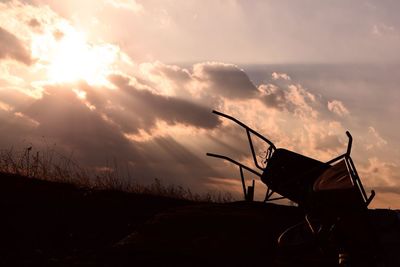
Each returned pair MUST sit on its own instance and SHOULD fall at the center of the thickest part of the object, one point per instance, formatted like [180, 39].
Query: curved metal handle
[244, 126]
[249, 192]
[349, 145]
[234, 162]
[250, 131]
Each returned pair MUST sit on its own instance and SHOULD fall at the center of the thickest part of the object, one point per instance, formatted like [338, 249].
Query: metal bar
[348, 151]
[269, 194]
[253, 153]
[275, 198]
[234, 162]
[308, 220]
[336, 159]
[243, 182]
[349, 144]
[370, 197]
[356, 179]
[244, 126]
[269, 154]
[250, 192]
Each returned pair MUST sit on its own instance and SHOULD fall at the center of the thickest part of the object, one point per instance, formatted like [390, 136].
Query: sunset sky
[135, 82]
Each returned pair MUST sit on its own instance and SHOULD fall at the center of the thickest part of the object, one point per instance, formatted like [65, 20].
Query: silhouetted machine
[330, 193]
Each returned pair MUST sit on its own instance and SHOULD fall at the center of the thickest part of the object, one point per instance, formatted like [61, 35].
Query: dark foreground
[53, 224]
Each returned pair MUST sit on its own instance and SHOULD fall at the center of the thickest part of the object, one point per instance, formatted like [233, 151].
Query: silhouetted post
[250, 192]
[243, 183]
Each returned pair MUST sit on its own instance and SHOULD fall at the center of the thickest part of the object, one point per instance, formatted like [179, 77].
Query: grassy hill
[47, 223]
[51, 223]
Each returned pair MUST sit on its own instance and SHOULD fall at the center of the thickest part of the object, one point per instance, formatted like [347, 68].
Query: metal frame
[353, 172]
[271, 149]
[250, 131]
[241, 166]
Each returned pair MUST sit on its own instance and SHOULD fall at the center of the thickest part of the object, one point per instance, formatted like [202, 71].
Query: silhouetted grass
[52, 166]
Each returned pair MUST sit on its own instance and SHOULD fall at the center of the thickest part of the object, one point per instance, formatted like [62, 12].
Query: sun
[75, 59]
[69, 57]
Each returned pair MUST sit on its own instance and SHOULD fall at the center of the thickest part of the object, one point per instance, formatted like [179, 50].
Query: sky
[135, 82]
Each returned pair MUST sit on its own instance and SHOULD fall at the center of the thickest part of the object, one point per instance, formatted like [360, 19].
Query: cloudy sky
[135, 82]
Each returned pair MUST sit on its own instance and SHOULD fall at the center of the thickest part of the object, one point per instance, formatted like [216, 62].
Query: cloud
[165, 79]
[166, 136]
[12, 48]
[15, 99]
[382, 29]
[301, 101]
[72, 125]
[131, 5]
[95, 136]
[278, 75]
[205, 83]
[293, 98]
[375, 140]
[227, 80]
[338, 108]
[155, 118]
[378, 172]
[132, 119]
[147, 107]
[273, 96]
[324, 138]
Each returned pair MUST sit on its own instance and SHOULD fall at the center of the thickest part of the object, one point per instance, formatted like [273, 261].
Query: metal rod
[349, 144]
[244, 126]
[348, 151]
[275, 198]
[357, 179]
[370, 197]
[243, 182]
[253, 153]
[336, 159]
[234, 162]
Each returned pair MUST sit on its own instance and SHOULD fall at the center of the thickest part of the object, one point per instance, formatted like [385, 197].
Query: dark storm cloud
[142, 108]
[63, 119]
[68, 122]
[173, 110]
[273, 96]
[12, 48]
[226, 80]
[94, 129]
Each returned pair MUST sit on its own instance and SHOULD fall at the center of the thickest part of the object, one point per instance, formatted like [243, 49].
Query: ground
[55, 224]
